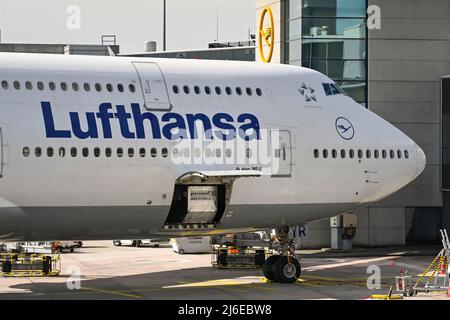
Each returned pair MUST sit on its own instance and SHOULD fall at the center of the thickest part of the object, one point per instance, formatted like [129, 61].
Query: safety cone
[448, 292]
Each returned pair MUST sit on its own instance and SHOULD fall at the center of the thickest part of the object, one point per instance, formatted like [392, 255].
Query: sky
[191, 24]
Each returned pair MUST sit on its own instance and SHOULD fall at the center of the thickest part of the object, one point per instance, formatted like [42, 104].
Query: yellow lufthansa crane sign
[266, 35]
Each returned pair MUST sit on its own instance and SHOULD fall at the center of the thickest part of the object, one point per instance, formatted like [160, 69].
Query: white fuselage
[72, 169]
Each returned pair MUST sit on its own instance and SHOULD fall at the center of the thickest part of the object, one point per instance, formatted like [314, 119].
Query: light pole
[164, 25]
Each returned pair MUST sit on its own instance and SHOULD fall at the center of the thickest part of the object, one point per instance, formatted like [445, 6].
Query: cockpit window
[335, 89]
[332, 89]
[327, 88]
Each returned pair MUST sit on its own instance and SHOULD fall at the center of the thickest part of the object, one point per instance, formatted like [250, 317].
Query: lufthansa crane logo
[266, 35]
[345, 129]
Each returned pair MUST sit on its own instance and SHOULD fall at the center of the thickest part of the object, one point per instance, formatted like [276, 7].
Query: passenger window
[219, 153]
[384, 153]
[120, 152]
[399, 154]
[175, 89]
[228, 91]
[186, 90]
[165, 152]
[229, 153]
[360, 154]
[63, 86]
[325, 153]
[28, 85]
[239, 91]
[259, 92]
[177, 153]
[40, 86]
[98, 87]
[131, 152]
[208, 90]
[154, 152]
[406, 154]
[392, 154]
[38, 152]
[218, 91]
[75, 87]
[327, 88]
[368, 154]
[343, 154]
[132, 88]
[352, 153]
[334, 153]
[50, 152]
[85, 152]
[62, 152]
[249, 91]
[52, 86]
[26, 152]
[87, 87]
[377, 154]
[108, 152]
[120, 87]
[109, 87]
[316, 153]
[16, 85]
[96, 152]
[197, 90]
[73, 152]
[5, 85]
[142, 152]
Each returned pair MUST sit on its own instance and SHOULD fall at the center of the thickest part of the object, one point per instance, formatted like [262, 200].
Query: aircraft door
[153, 86]
[281, 153]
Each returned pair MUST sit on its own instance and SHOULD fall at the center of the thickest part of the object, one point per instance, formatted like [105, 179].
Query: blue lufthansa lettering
[49, 122]
[178, 124]
[91, 131]
[172, 126]
[252, 125]
[105, 118]
[139, 119]
[224, 121]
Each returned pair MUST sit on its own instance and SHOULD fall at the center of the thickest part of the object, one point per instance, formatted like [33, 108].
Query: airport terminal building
[396, 71]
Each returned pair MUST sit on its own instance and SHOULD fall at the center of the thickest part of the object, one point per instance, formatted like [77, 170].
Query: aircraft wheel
[137, 243]
[117, 243]
[267, 267]
[286, 270]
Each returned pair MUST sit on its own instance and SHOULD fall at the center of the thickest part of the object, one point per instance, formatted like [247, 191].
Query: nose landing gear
[284, 267]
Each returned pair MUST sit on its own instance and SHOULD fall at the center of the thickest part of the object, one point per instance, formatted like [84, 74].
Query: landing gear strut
[283, 267]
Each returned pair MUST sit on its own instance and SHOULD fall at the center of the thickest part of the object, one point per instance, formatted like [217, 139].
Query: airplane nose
[421, 160]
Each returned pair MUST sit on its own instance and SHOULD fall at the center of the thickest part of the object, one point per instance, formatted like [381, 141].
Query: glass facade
[329, 36]
[445, 118]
